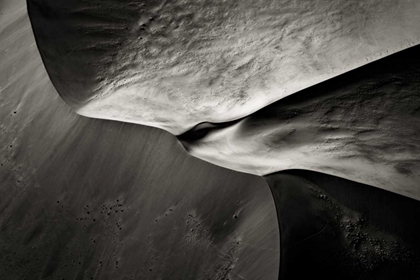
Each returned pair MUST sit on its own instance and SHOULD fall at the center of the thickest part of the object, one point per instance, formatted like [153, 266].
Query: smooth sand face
[176, 64]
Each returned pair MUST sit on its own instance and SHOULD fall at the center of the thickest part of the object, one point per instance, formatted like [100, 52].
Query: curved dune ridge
[179, 65]
[175, 64]
[363, 126]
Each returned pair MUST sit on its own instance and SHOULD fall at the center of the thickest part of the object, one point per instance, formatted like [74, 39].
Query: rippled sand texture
[174, 64]
[83, 198]
[363, 126]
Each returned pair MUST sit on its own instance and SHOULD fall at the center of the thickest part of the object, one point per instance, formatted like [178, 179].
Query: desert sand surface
[332, 228]
[83, 198]
[349, 67]
[175, 64]
[363, 126]
[97, 199]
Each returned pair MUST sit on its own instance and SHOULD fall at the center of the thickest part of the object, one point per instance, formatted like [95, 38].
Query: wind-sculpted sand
[91, 199]
[175, 64]
[261, 87]
[363, 126]
[178, 65]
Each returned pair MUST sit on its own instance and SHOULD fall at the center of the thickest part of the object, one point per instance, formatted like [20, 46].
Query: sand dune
[83, 198]
[363, 126]
[175, 64]
[262, 87]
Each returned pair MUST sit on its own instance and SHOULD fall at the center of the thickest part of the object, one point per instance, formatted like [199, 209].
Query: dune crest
[175, 64]
[362, 126]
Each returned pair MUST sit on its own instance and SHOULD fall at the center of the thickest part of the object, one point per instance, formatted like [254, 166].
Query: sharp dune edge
[254, 86]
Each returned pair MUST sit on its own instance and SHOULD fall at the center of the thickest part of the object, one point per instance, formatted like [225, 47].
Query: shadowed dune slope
[332, 228]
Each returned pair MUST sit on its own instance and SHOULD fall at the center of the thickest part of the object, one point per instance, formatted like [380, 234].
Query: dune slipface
[175, 64]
